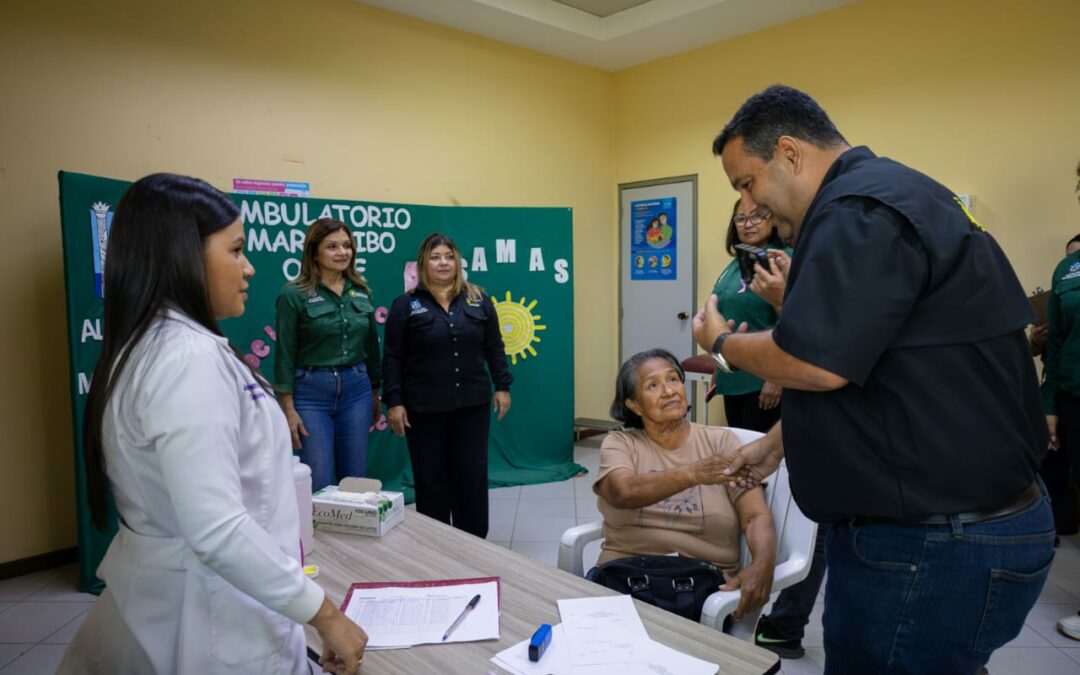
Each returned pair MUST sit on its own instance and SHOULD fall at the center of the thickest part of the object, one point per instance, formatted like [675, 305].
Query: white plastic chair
[795, 535]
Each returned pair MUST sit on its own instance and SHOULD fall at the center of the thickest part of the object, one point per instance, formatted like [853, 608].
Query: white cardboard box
[357, 506]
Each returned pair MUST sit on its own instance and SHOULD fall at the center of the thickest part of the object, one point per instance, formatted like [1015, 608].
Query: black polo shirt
[894, 286]
[433, 359]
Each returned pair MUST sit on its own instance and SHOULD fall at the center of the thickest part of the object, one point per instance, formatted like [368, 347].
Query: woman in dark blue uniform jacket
[439, 336]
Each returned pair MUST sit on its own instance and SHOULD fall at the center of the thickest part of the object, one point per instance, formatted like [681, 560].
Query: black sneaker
[768, 638]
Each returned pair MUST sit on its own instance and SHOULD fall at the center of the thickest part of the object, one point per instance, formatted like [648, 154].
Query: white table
[423, 549]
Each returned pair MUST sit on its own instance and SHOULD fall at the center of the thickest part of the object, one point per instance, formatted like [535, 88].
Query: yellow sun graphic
[518, 326]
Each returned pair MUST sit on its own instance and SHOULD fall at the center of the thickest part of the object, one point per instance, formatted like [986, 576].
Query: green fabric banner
[521, 256]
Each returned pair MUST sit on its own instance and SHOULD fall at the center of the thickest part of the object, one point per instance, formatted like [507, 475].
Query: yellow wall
[369, 104]
[360, 102]
[984, 95]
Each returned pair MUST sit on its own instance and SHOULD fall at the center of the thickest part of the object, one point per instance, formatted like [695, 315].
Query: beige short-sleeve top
[699, 522]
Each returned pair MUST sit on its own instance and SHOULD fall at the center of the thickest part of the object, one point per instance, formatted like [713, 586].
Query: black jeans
[744, 411]
[449, 452]
[1057, 465]
[791, 611]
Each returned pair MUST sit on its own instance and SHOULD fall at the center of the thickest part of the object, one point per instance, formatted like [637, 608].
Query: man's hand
[754, 584]
[769, 284]
[756, 460]
[709, 323]
[769, 397]
[1051, 425]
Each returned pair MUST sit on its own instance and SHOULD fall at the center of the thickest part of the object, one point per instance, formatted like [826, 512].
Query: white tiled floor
[39, 613]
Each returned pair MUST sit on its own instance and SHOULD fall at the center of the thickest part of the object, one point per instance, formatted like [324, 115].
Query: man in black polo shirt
[912, 418]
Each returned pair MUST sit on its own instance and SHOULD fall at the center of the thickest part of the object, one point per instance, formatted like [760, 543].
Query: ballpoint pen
[461, 617]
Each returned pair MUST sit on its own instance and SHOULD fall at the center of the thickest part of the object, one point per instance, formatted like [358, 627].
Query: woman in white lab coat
[204, 575]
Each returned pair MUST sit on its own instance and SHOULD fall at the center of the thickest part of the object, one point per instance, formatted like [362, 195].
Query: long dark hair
[154, 261]
[733, 233]
[309, 275]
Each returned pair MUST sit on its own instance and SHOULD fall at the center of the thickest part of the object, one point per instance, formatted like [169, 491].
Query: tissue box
[342, 508]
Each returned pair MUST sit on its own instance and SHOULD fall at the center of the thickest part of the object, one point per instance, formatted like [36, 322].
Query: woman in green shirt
[327, 370]
[749, 403]
[1061, 375]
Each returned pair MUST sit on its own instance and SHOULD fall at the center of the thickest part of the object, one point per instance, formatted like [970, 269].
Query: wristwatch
[718, 355]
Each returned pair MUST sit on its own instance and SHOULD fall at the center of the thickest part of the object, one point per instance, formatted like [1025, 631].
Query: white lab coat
[205, 569]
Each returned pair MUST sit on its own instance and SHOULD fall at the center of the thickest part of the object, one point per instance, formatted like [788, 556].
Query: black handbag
[677, 584]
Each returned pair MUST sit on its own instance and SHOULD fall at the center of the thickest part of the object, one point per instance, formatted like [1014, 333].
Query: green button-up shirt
[1062, 358]
[323, 329]
[736, 301]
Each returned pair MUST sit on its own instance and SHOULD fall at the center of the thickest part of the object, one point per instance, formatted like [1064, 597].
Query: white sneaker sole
[1068, 631]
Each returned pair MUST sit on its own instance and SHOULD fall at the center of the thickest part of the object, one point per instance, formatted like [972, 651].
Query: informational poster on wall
[652, 240]
[521, 256]
[270, 188]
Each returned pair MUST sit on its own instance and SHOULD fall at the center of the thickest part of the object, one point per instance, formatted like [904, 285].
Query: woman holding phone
[749, 403]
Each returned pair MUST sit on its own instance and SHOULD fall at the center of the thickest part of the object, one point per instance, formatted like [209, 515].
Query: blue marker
[539, 642]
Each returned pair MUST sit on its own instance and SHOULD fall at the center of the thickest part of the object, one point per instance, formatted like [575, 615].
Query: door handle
[683, 316]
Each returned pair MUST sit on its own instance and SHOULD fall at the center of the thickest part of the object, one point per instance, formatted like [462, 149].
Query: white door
[658, 268]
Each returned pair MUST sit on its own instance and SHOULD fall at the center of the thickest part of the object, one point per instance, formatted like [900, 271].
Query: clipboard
[410, 613]
[1040, 302]
[423, 584]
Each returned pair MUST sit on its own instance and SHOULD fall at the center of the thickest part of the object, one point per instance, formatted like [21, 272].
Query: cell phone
[747, 256]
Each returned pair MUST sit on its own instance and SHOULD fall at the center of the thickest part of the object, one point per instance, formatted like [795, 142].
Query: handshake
[747, 467]
[712, 471]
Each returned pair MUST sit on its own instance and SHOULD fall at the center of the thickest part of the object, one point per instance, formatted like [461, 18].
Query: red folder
[424, 584]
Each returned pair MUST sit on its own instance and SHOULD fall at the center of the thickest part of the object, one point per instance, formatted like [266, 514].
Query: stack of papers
[400, 615]
[601, 636]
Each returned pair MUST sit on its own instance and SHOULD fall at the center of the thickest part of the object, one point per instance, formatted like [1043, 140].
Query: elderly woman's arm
[623, 488]
[754, 581]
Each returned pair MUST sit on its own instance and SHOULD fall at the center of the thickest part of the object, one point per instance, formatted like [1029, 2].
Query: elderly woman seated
[662, 486]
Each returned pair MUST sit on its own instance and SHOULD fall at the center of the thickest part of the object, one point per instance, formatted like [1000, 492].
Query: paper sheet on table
[396, 617]
[659, 660]
[603, 630]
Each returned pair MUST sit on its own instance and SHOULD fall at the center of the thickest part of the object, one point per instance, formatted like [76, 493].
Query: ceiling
[602, 8]
[608, 34]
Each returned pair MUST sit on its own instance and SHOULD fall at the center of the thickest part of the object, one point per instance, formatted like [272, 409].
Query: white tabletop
[423, 549]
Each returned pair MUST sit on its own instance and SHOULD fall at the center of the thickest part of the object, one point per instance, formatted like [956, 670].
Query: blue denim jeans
[335, 405]
[923, 600]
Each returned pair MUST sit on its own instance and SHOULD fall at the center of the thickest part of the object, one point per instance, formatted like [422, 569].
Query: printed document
[658, 660]
[400, 616]
[603, 630]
